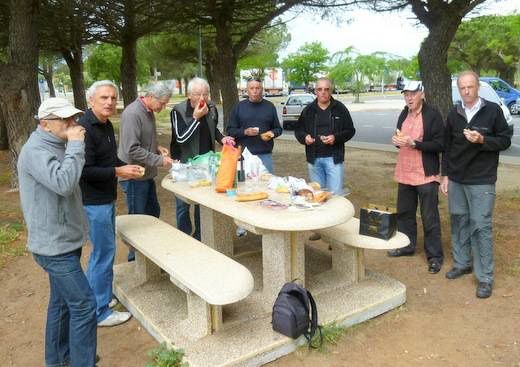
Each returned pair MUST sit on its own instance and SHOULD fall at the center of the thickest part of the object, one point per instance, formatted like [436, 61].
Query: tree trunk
[48, 73]
[4, 142]
[225, 64]
[19, 93]
[433, 56]
[213, 84]
[75, 63]
[129, 70]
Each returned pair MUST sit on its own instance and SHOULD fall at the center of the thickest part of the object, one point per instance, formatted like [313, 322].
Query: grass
[10, 247]
[163, 356]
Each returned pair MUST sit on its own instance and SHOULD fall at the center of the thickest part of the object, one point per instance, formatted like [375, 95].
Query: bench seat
[347, 245]
[348, 234]
[209, 278]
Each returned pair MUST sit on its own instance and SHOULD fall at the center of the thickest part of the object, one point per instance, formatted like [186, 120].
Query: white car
[485, 92]
[293, 107]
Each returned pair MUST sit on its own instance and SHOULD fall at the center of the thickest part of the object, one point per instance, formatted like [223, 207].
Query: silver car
[293, 107]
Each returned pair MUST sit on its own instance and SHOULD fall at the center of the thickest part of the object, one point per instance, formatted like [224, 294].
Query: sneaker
[115, 318]
[241, 232]
[113, 303]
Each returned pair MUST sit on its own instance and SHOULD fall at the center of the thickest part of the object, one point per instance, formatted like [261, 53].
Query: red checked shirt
[409, 169]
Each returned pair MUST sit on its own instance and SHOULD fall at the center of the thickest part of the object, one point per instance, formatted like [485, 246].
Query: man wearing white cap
[420, 139]
[49, 170]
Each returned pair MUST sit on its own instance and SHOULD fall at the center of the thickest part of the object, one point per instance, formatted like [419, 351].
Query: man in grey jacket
[49, 170]
[138, 145]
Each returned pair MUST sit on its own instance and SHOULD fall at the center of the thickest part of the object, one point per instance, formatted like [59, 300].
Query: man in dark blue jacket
[99, 190]
[254, 124]
[476, 131]
[324, 127]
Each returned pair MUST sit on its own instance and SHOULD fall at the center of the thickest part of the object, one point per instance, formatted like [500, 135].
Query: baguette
[252, 196]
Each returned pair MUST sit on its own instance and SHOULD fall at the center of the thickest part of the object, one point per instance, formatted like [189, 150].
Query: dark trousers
[427, 195]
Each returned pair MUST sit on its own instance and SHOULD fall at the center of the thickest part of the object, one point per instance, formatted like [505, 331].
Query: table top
[335, 211]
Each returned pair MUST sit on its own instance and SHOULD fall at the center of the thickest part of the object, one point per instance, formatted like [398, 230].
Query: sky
[395, 33]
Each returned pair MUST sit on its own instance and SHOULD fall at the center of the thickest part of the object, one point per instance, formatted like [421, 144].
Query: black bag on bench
[291, 312]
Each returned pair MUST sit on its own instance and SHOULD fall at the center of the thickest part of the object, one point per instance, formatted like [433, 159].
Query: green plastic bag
[205, 158]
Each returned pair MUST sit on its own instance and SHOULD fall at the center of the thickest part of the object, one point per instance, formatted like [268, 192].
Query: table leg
[217, 230]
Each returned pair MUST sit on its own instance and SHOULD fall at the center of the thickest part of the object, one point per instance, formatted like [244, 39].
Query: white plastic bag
[253, 166]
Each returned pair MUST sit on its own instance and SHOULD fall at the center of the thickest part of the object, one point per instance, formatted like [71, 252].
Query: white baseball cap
[59, 107]
[413, 86]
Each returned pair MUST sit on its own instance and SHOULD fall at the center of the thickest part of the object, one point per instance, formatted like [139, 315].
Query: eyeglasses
[75, 118]
[322, 89]
[198, 95]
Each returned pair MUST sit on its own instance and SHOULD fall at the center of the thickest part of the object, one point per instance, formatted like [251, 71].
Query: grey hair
[158, 90]
[325, 79]
[198, 81]
[101, 83]
[468, 72]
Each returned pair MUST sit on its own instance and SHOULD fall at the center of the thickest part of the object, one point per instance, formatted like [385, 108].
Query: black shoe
[315, 237]
[405, 251]
[484, 290]
[458, 272]
[434, 267]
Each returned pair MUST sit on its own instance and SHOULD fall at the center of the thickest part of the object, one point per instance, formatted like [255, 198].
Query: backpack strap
[314, 323]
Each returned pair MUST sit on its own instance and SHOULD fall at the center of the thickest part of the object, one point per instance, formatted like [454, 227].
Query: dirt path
[441, 324]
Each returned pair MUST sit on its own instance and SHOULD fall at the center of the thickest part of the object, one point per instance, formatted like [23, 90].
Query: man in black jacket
[194, 131]
[324, 127]
[476, 131]
[99, 190]
[420, 139]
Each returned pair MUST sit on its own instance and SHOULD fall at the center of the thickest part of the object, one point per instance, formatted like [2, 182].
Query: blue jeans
[267, 161]
[101, 231]
[182, 214]
[327, 174]
[141, 198]
[471, 217]
[71, 330]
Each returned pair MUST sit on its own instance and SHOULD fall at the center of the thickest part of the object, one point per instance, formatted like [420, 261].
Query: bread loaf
[251, 196]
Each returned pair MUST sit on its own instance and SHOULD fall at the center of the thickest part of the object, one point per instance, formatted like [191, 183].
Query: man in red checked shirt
[420, 139]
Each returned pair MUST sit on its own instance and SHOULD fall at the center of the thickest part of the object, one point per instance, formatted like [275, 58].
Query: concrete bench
[348, 248]
[209, 278]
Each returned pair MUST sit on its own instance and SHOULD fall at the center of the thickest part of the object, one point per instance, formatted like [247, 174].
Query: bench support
[145, 268]
[199, 318]
[347, 261]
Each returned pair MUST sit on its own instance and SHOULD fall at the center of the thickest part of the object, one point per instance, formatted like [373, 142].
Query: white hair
[102, 83]
[158, 90]
[197, 81]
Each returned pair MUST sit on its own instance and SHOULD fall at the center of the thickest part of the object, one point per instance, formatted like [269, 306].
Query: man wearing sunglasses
[324, 127]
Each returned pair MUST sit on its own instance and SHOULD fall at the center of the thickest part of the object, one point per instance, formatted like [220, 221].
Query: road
[375, 122]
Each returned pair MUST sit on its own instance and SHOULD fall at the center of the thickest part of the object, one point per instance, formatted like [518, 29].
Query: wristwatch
[413, 144]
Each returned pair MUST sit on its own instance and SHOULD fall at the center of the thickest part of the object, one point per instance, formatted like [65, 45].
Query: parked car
[485, 92]
[505, 91]
[293, 107]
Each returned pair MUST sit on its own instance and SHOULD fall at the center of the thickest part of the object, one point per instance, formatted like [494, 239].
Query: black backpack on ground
[295, 313]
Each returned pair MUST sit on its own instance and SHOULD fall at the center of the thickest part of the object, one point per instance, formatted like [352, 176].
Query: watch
[413, 144]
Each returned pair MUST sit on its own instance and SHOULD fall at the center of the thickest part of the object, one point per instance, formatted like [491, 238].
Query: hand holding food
[268, 135]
